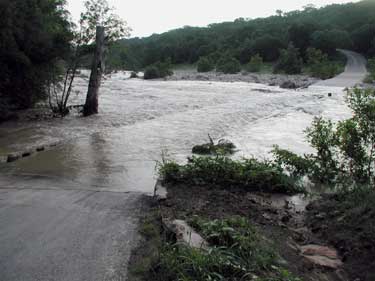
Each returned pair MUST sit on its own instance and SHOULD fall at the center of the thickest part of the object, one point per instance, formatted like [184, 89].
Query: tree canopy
[34, 34]
[347, 26]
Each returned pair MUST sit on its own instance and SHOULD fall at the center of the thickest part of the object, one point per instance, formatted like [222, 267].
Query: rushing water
[117, 150]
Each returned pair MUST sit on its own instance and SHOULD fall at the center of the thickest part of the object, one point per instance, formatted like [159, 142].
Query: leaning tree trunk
[97, 70]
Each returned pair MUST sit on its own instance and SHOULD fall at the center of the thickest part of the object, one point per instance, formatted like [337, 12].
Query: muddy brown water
[117, 150]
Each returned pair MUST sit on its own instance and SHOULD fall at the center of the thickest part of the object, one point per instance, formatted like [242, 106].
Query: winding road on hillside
[355, 72]
[71, 213]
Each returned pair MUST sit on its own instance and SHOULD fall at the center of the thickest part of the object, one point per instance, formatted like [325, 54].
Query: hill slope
[350, 26]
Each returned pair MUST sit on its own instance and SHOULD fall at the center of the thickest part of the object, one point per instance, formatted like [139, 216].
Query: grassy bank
[220, 171]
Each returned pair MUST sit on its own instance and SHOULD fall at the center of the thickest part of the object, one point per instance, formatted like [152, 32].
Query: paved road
[66, 235]
[355, 72]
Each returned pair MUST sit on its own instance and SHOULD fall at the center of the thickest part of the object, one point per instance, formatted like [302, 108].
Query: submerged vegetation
[223, 147]
[158, 70]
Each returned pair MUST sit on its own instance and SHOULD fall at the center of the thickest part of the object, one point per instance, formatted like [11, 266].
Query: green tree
[97, 13]
[34, 36]
[330, 40]
[319, 64]
[159, 70]
[255, 64]
[205, 65]
[290, 61]
[300, 34]
[268, 47]
[228, 65]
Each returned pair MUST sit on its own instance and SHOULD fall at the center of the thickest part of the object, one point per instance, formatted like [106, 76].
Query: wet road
[355, 72]
[70, 213]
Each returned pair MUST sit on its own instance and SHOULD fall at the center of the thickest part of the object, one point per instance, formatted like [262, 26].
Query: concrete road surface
[354, 73]
[66, 235]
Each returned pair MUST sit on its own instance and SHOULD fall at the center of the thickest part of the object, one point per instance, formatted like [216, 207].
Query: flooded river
[117, 150]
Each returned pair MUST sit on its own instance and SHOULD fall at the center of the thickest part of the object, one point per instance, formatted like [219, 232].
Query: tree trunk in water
[97, 69]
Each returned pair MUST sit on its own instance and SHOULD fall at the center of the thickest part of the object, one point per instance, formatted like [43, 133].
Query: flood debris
[222, 147]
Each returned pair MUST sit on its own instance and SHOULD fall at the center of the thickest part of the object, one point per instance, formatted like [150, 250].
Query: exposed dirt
[280, 223]
[352, 232]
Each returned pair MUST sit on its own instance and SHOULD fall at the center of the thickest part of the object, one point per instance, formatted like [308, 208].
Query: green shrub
[237, 253]
[371, 68]
[296, 165]
[151, 72]
[158, 70]
[345, 153]
[289, 62]
[228, 65]
[224, 172]
[205, 65]
[255, 64]
[320, 66]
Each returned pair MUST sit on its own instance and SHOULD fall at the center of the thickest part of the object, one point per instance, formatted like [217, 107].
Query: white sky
[146, 17]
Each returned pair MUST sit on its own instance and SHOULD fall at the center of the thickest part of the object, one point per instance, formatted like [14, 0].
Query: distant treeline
[350, 26]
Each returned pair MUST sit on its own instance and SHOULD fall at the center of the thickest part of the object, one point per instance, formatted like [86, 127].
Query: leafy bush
[320, 66]
[237, 252]
[289, 62]
[296, 165]
[345, 153]
[205, 65]
[371, 68]
[228, 65]
[224, 172]
[158, 70]
[255, 64]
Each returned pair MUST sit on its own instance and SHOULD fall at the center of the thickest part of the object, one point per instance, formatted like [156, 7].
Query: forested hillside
[349, 26]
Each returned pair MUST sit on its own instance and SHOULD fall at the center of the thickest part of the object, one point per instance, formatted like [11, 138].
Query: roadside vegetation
[223, 172]
[371, 69]
[237, 252]
[345, 152]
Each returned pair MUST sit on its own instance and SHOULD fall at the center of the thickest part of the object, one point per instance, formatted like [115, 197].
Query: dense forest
[350, 26]
[34, 35]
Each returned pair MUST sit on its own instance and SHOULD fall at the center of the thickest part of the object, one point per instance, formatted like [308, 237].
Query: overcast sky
[149, 16]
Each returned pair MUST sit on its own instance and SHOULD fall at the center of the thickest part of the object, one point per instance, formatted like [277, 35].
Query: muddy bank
[348, 223]
[274, 216]
[299, 81]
